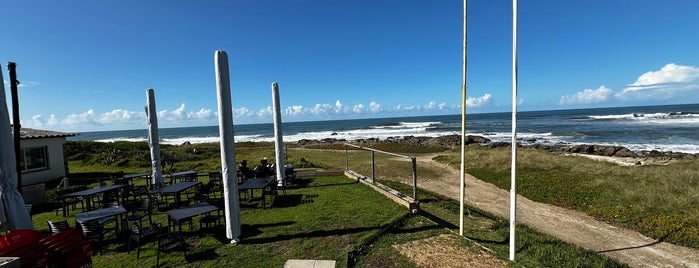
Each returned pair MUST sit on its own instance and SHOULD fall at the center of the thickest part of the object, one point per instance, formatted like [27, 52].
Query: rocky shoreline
[452, 141]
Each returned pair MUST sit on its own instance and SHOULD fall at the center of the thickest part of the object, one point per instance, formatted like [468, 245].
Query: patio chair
[144, 205]
[57, 226]
[138, 234]
[95, 231]
[73, 201]
[170, 242]
[210, 219]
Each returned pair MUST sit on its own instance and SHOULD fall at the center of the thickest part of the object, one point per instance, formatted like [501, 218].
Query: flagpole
[462, 183]
[513, 168]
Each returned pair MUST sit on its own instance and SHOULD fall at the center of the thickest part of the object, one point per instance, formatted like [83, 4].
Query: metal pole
[412, 159]
[513, 169]
[462, 175]
[373, 168]
[12, 67]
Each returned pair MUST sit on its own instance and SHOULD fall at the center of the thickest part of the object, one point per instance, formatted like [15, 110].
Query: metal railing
[373, 164]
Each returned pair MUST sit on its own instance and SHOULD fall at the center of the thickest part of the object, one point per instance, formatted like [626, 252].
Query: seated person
[245, 171]
[263, 170]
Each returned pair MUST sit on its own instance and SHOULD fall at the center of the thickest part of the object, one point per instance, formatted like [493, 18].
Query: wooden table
[257, 183]
[176, 189]
[179, 215]
[88, 194]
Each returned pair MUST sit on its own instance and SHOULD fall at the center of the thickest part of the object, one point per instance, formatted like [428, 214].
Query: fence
[373, 166]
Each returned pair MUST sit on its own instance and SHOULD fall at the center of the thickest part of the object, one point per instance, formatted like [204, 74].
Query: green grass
[321, 218]
[659, 201]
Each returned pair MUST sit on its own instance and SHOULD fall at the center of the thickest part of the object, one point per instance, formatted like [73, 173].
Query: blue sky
[86, 65]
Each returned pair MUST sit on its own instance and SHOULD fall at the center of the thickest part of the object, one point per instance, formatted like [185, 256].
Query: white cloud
[359, 108]
[374, 107]
[338, 107]
[295, 110]
[479, 102]
[181, 113]
[672, 81]
[180, 116]
[265, 112]
[670, 73]
[587, 96]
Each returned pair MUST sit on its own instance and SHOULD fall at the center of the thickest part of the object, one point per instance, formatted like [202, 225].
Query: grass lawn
[319, 218]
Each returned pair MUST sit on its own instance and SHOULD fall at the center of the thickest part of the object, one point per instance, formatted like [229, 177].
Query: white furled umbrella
[13, 214]
[279, 141]
[225, 126]
[153, 138]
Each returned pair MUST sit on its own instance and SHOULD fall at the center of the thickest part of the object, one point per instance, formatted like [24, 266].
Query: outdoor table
[99, 214]
[257, 183]
[179, 215]
[182, 175]
[130, 177]
[176, 189]
[88, 194]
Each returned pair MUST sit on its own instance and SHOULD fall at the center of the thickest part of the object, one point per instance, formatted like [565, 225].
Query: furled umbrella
[153, 138]
[228, 169]
[13, 214]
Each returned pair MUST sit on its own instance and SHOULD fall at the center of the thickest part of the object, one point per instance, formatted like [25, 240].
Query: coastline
[615, 154]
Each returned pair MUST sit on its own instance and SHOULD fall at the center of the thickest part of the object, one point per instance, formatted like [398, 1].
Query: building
[42, 156]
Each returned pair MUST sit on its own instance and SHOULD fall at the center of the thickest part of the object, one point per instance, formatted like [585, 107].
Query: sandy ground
[444, 251]
[574, 227]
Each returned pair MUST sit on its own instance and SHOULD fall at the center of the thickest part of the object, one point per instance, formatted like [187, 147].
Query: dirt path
[568, 225]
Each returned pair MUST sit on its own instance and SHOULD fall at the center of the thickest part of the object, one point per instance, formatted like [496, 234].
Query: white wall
[55, 156]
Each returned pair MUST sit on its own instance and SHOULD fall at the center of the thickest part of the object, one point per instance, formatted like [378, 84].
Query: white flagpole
[513, 168]
[462, 183]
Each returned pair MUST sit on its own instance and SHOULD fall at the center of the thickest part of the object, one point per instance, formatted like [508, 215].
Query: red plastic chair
[25, 245]
[69, 249]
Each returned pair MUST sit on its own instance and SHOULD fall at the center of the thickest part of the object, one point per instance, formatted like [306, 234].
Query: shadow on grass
[443, 223]
[660, 240]
[306, 183]
[286, 201]
[322, 233]
[299, 183]
[209, 254]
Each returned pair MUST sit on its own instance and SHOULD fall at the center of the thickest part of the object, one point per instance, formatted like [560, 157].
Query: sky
[86, 65]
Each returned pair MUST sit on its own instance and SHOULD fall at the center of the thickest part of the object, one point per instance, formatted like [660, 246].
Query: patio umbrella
[279, 142]
[225, 126]
[153, 142]
[13, 214]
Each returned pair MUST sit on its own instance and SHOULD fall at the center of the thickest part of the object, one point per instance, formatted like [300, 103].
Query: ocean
[644, 128]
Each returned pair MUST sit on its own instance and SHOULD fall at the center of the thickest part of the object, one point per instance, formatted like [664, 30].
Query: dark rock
[499, 144]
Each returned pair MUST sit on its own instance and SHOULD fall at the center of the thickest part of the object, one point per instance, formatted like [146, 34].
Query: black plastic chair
[95, 231]
[57, 226]
[170, 242]
[139, 234]
[144, 205]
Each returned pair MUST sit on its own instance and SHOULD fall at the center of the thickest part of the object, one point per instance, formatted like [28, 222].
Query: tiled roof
[30, 133]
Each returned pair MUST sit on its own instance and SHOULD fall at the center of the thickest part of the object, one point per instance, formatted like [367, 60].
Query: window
[34, 159]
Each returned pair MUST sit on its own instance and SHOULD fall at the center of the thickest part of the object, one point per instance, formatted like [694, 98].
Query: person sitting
[263, 170]
[244, 171]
